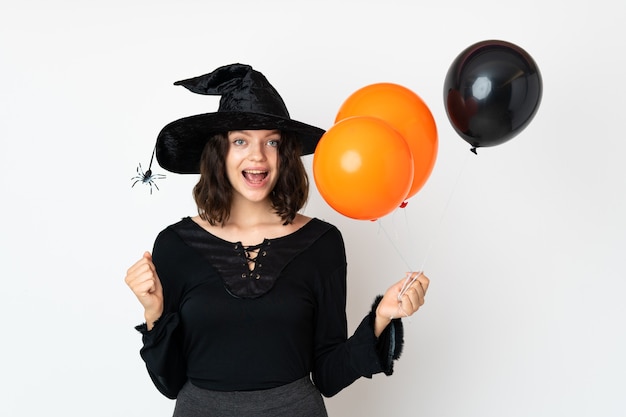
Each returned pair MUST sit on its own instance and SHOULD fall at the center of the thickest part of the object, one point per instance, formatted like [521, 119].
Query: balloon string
[443, 213]
[411, 277]
[380, 225]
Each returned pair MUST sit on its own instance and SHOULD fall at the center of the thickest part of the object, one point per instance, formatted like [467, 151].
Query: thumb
[147, 255]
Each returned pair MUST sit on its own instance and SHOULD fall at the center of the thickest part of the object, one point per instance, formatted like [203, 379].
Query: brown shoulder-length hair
[213, 192]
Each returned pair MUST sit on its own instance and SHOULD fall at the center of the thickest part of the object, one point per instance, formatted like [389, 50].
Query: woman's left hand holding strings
[401, 300]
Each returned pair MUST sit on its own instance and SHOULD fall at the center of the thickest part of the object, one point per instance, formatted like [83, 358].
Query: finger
[413, 299]
[403, 285]
[424, 282]
[140, 276]
[419, 289]
[139, 265]
[145, 258]
[142, 265]
[420, 296]
[420, 283]
[136, 271]
[407, 303]
[144, 288]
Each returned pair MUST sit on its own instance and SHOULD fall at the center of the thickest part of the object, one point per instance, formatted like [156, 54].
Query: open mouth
[254, 176]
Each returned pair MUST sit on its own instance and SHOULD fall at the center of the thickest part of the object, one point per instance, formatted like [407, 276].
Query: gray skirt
[300, 398]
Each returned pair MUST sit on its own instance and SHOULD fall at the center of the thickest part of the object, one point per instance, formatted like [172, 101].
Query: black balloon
[491, 92]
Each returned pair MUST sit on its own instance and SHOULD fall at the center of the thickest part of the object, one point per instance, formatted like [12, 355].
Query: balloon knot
[404, 204]
[474, 150]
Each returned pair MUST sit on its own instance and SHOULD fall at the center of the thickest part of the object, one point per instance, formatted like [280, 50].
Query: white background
[525, 314]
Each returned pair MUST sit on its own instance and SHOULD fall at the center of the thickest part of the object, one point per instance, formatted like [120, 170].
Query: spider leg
[146, 178]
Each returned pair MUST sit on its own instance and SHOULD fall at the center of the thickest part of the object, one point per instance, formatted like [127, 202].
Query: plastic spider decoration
[147, 177]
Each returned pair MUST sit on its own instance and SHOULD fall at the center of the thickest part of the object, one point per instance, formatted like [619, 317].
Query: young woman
[245, 302]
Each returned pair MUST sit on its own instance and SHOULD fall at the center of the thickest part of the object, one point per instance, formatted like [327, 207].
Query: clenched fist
[143, 280]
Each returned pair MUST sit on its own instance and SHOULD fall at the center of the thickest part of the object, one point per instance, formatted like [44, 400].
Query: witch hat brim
[248, 102]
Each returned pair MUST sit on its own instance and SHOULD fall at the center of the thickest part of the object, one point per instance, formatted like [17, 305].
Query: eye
[273, 143]
[239, 142]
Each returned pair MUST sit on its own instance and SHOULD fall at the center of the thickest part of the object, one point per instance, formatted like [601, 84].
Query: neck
[250, 214]
[250, 223]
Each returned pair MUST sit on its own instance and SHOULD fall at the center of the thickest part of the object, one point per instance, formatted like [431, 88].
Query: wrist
[380, 323]
[151, 319]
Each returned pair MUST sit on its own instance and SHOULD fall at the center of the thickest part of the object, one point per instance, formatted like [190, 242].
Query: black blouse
[226, 327]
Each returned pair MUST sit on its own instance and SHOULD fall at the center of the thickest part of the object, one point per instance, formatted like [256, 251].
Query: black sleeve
[339, 360]
[390, 342]
[162, 355]
[162, 345]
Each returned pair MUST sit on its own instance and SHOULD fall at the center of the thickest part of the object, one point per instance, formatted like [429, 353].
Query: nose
[257, 152]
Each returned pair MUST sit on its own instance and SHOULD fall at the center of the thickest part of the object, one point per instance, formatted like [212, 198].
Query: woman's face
[252, 163]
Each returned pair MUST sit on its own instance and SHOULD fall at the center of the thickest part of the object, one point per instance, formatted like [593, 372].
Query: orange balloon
[363, 168]
[406, 112]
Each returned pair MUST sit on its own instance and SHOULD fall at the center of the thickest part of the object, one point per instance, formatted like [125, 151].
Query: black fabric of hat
[248, 102]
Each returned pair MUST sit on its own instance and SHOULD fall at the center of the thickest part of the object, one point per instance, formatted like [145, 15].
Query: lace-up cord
[252, 253]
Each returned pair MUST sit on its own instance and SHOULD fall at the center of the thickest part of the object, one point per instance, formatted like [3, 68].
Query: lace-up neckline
[252, 253]
[250, 271]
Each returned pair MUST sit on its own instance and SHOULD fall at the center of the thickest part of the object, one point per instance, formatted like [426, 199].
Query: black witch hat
[248, 102]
